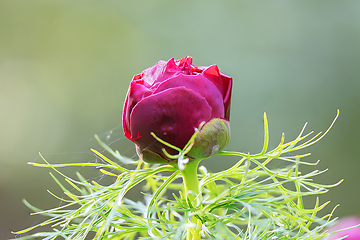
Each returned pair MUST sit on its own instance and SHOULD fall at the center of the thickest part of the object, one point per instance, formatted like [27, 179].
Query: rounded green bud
[213, 137]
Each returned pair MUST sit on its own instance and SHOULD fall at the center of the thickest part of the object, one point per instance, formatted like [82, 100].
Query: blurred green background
[65, 67]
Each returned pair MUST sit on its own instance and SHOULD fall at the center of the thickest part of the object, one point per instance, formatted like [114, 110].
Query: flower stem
[191, 183]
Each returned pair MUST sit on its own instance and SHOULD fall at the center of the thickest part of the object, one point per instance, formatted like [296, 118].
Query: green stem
[191, 183]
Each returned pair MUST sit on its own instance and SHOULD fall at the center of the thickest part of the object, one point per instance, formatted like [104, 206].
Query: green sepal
[149, 156]
[213, 137]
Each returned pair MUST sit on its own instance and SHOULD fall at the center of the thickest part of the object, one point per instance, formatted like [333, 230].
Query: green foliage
[248, 201]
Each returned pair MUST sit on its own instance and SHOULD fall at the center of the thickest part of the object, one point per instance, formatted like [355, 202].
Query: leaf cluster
[250, 200]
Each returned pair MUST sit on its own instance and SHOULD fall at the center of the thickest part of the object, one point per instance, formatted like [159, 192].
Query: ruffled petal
[223, 83]
[154, 73]
[213, 74]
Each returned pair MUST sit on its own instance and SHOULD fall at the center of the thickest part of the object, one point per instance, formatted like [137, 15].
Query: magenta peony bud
[173, 99]
[353, 234]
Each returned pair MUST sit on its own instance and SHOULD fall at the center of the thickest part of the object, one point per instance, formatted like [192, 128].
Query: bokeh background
[65, 67]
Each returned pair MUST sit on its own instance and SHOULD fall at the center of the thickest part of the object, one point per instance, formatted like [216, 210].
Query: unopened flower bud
[212, 138]
[170, 100]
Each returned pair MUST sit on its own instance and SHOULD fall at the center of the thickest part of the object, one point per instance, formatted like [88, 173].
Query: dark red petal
[172, 115]
[160, 72]
[223, 83]
[171, 65]
[152, 74]
[227, 99]
[125, 119]
[136, 93]
[185, 65]
[185, 60]
[201, 85]
[213, 74]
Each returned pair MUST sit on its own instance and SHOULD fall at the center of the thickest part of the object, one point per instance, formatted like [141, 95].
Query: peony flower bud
[212, 138]
[173, 99]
